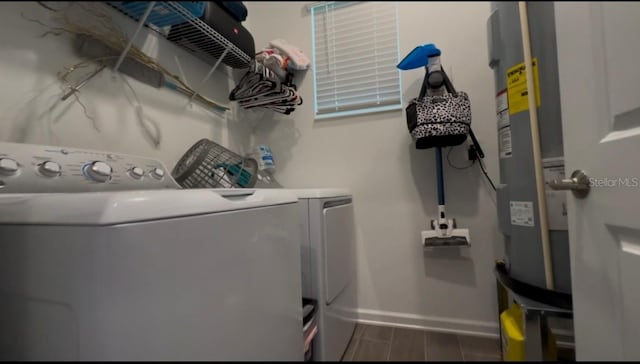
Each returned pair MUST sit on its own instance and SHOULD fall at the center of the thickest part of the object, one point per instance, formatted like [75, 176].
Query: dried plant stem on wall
[91, 20]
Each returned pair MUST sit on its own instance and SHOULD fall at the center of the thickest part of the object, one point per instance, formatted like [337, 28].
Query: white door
[598, 58]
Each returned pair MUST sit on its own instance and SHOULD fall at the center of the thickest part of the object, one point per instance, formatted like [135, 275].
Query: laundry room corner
[104, 114]
[393, 184]
[319, 181]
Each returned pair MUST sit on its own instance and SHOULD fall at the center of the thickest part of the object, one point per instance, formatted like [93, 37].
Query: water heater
[516, 195]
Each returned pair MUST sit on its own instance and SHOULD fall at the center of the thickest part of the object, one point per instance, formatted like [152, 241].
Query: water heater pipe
[535, 138]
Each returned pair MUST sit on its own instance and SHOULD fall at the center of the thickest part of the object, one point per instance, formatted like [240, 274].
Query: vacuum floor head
[458, 238]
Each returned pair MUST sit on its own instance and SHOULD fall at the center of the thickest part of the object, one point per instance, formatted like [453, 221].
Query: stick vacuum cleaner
[444, 232]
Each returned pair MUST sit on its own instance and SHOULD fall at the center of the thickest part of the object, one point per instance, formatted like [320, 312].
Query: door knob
[578, 184]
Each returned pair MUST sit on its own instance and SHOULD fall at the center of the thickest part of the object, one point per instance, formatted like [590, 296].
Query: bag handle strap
[452, 90]
[425, 82]
[447, 83]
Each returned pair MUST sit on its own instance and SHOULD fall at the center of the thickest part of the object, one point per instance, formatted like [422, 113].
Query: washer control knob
[50, 169]
[157, 173]
[8, 166]
[136, 173]
[98, 171]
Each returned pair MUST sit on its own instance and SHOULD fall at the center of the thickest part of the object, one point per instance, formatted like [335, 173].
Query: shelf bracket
[206, 78]
[140, 25]
[77, 87]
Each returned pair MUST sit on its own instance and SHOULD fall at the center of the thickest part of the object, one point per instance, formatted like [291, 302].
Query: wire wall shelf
[177, 22]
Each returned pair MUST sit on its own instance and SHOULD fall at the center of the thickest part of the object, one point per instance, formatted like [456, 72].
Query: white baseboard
[428, 323]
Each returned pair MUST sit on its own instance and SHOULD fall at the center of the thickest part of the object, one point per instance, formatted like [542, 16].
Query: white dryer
[141, 270]
[329, 266]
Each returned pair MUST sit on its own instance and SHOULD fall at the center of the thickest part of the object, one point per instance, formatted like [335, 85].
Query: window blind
[355, 52]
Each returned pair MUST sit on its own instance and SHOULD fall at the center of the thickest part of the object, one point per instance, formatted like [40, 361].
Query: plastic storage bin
[188, 36]
[160, 15]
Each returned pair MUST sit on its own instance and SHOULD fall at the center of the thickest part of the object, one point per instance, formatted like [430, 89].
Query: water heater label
[521, 213]
[518, 95]
[502, 109]
[504, 142]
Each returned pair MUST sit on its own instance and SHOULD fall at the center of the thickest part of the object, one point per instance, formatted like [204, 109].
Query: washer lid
[109, 208]
[319, 192]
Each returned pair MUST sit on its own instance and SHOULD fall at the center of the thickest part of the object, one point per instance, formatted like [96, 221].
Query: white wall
[393, 183]
[28, 67]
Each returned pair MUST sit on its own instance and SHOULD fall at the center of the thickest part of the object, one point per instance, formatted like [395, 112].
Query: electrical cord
[41, 3]
[470, 165]
[485, 173]
[456, 167]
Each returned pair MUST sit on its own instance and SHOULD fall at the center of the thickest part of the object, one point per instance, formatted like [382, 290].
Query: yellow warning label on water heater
[517, 87]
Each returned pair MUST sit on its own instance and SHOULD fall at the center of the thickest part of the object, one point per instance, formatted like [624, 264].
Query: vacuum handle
[440, 175]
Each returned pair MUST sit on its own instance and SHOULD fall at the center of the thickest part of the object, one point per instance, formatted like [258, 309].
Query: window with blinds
[355, 52]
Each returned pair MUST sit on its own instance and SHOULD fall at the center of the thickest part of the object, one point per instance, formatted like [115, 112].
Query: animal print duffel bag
[439, 120]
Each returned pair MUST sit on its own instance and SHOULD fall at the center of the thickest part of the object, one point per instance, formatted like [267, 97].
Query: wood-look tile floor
[378, 343]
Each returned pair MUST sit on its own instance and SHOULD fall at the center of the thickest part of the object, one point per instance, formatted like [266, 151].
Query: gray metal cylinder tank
[516, 195]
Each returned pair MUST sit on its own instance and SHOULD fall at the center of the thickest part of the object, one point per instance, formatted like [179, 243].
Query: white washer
[329, 266]
[152, 274]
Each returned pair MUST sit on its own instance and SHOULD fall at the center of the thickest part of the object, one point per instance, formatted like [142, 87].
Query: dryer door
[339, 247]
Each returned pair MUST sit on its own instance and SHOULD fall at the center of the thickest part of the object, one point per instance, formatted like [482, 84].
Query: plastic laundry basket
[209, 165]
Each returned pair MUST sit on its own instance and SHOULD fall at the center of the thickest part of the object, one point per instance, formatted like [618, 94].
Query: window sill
[371, 110]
